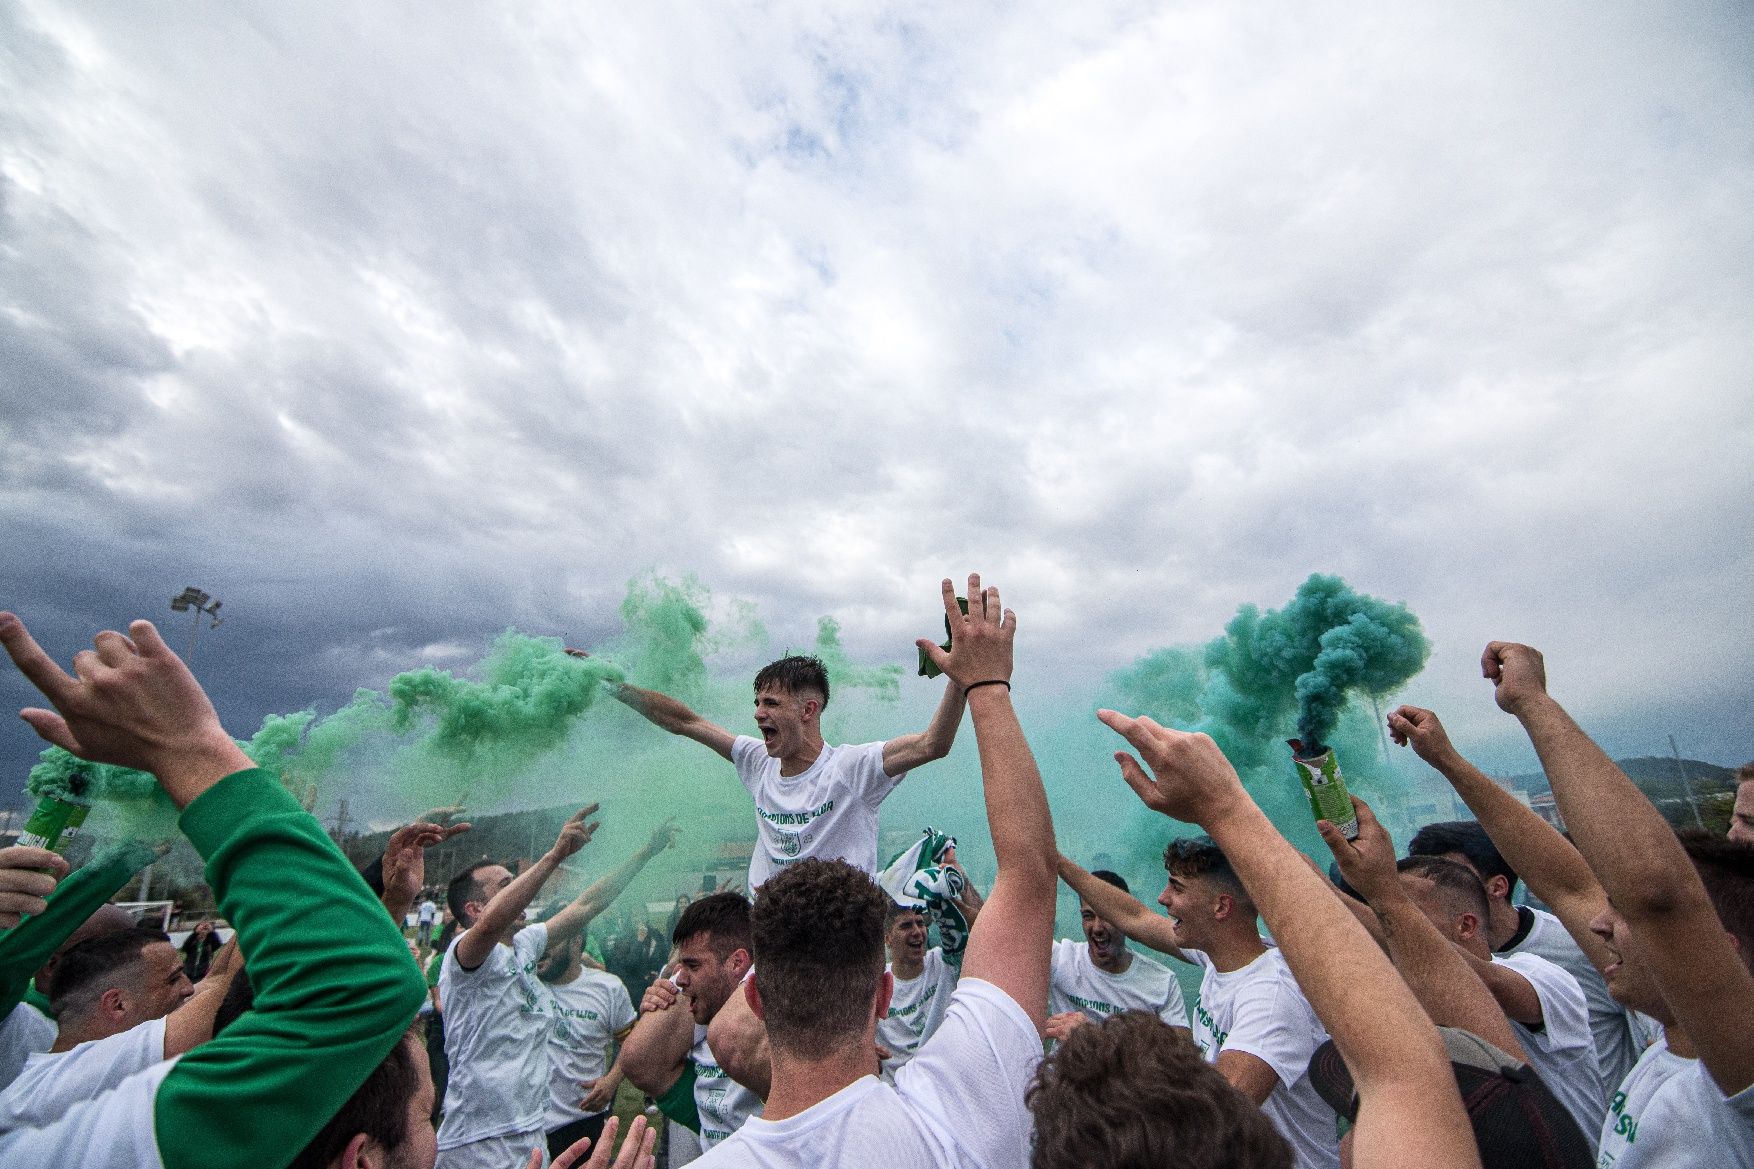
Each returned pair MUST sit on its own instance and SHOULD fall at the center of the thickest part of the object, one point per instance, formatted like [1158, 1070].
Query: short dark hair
[106, 958]
[1458, 885]
[818, 929]
[1111, 878]
[794, 675]
[1130, 1091]
[379, 1109]
[1200, 856]
[722, 917]
[896, 909]
[464, 888]
[1468, 838]
[1726, 869]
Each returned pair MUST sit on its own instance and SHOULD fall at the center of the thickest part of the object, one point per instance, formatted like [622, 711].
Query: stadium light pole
[193, 600]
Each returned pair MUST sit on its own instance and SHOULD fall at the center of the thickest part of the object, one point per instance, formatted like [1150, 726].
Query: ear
[812, 708]
[885, 992]
[113, 1002]
[740, 961]
[1467, 925]
[752, 996]
[361, 1153]
[1223, 905]
[1498, 888]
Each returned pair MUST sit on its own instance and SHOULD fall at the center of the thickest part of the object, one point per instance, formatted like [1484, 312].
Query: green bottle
[55, 822]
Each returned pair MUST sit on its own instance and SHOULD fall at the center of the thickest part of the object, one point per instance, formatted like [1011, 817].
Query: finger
[1366, 818]
[23, 856]
[1009, 624]
[995, 610]
[952, 611]
[976, 601]
[15, 905]
[32, 662]
[28, 882]
[112, 648]
[1492, 661]
[87, 665]
[1142, 733]
[51, 726]
[1335, 840]
[535, 1161]
[935, 652]
[147, 642]
[1143, 786]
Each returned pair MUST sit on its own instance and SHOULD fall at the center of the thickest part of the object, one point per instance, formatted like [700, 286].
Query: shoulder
[747, 752]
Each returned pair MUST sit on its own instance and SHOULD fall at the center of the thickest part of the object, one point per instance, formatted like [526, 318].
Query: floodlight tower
[194, 600]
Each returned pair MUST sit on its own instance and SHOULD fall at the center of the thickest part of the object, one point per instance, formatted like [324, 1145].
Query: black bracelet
[988, 682]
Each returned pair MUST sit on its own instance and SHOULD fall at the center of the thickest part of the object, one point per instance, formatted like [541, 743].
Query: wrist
[1232, 816]
[187, 769]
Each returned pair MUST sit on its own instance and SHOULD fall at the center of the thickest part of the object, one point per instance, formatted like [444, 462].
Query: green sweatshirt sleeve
[335, 985]
[25, 948]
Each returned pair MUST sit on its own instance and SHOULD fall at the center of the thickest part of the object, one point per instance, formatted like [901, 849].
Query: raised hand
[131, 702]
[636, 1150]
[1518, 675]
[576, 832]
[980, 640]
[1420, 728]
[660, 996]
[1190, 778]
[663, 836]
[1063, 1024]
[405, 861]
[1367, 863]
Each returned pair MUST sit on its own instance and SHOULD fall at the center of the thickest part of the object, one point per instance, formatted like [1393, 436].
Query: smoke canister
[1326, 788]
[55, 822]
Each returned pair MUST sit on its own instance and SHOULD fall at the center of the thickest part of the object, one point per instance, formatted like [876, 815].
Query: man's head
[470, 890]
[790, 695]
[818, 931]
[1726, 869]
[1130, 1091]
[905, 935]
[1466, 843]
[712, 952]
[105, 919]
[1742, 815]
[115, 981]
[386, 1123]
[1204, 897]
[1108, 946]
[1452, 899]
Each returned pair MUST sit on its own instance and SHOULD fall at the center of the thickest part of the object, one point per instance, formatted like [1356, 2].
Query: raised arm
[1127, 912]
[403, 864]
[1647, 875]
[474, 944]
[906, 752]
[1009, 943]
[1452, 992]
[327, 965]
[673, 716]
[1546, 862]
[1410, 1111]
[603, 892]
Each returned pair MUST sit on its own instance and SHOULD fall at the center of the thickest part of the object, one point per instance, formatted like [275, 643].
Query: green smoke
[883, 682]
[666, 629]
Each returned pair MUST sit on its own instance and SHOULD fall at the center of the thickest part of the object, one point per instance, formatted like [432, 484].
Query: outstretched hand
[130, 702]
[663, 836]
[1518, 675]
[636, 1150]
[1368, 862]
[1190, 778]
[980, 640]
[405, 859]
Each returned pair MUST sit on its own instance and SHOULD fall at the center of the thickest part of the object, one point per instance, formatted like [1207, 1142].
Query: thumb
[52, 727]
[934, 651]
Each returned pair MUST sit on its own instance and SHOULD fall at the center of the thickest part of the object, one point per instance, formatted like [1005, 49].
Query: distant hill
[1656, 775]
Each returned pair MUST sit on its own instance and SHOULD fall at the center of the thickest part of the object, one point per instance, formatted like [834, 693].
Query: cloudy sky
[395, 325]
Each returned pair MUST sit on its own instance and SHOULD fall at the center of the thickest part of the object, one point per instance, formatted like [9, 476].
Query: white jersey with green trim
[722, 1103]
[1146, 985]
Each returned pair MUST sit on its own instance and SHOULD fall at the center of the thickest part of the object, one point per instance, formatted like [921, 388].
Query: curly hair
[795, 675]
[818, 931]
[1131, 1093]
[1200, 856]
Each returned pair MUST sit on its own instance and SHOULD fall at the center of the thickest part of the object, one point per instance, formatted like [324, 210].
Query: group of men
[1410, 1012]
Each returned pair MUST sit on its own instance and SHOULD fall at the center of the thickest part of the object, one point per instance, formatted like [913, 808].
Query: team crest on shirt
[791, 843]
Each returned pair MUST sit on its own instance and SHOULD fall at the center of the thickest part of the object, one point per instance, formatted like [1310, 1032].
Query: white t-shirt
[724, 1105]
[584, 1016]
[24, 1031]
[827, 811]
[428, 913]
[1619, 1032]
[916, 1009]
[1563, 1051]
[1260, 1009]
[50, 1084]
[1669, 1113]
[114, 1131]
[1146, 985]
[496, 1037]
[958, 1103]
